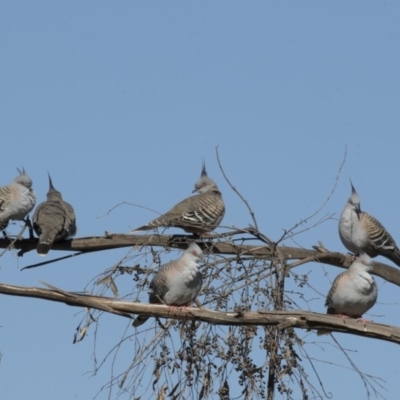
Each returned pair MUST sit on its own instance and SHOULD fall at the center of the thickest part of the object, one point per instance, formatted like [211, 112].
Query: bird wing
[5, 196]
[206, 209]
[159, 284]
[335, 285]
[380, 240]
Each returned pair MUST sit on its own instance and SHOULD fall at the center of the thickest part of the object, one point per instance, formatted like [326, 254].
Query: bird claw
[361, 319]
[175, 306]
[28, 223]
[343, 316]
[21, 253]
[205, 234]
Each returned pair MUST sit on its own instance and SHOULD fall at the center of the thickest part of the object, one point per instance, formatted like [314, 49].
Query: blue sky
[121, 101]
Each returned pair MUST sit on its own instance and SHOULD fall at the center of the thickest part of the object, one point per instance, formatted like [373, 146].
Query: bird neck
[192, 264]
[53, 195]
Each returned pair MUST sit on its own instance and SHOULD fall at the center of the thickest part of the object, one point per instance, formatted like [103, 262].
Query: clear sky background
[121, 101]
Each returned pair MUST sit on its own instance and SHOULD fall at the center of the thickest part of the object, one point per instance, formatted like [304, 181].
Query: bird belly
[355, 300]
[183, 297]
[185, 289]
[21, 208]
[352, 307]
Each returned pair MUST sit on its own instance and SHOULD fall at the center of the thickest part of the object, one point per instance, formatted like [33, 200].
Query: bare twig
[236, 191]
[304, 220]
[54, 260]
[129, 204]
[364, 377]
[18, 237]
[114, 241]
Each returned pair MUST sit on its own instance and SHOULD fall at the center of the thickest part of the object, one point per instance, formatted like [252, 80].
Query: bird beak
[358, 211]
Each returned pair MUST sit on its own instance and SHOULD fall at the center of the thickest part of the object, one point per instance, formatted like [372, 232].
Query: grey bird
[198, 214]
[16, 199]
[361, 232]
[177, 283]
[353, 292]
[53, 220]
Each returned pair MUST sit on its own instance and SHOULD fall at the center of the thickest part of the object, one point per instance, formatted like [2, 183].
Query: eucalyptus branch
[280, 319]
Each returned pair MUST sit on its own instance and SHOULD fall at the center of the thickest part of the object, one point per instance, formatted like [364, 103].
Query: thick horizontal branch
[210, 244]
[280, 319]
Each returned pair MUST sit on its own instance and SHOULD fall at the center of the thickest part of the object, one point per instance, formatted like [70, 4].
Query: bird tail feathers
[141, 319]
[46, 240]
[395, 256]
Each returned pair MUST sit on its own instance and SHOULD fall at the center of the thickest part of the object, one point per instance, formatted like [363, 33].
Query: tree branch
[280, 319]
[209, 245]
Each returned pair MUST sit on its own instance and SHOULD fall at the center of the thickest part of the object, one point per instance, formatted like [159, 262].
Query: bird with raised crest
[198, 214]
[53, 220]
[16, 200]
[361, 232]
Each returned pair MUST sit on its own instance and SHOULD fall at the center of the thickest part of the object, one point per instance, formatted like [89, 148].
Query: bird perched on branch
[197, 214]
[177, 283]
[16, 199]
[361, 232]
[353, 292]
[53, 220]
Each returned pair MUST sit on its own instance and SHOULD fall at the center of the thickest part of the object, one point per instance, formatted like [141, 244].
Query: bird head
[354, 200]
[23, 178]
[364, 261]
[204, 183]
[52, 194]
[195, 250]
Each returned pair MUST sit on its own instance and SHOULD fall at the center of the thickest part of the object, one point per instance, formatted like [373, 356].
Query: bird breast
[185, 286]
[351, 233]
[357, 295]
[23, 201]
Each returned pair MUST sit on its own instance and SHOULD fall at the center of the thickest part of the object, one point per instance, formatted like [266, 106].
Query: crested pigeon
[353, 292]
[177, 283]
[53, 220]
[16, 199]
[361, 232]
[196, 214]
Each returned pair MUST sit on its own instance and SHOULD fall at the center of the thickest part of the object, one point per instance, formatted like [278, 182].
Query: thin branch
[236, 191]
[301, 222]
[18, 237]
[364, 378]
[129, 204]
[54, 260]
[116, 241]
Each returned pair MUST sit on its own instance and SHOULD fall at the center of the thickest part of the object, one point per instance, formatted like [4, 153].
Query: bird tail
[45, 242]
[321, 332]
[43, 248]
[395, 256]
[141, 319]
[156, 223]
[142, 228]
[3, 225]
